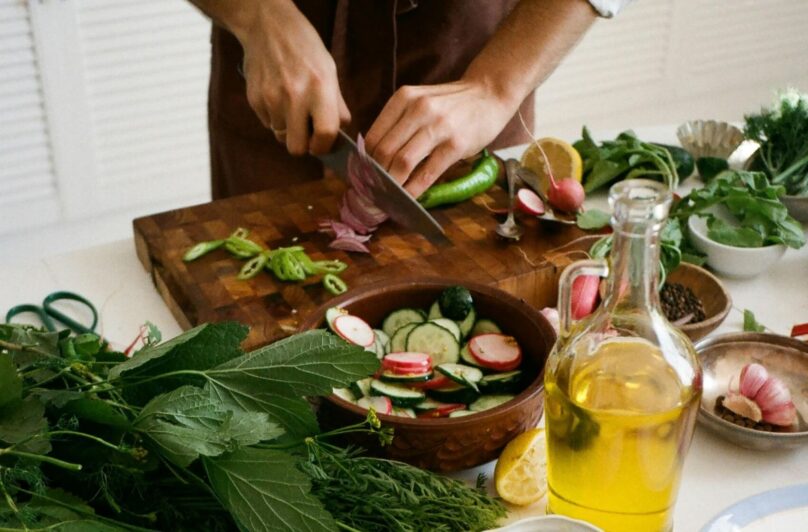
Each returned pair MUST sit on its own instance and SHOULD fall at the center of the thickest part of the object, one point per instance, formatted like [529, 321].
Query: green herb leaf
[10, 381]
[294, 414]
[97, 411]
[20, 421]
[593, 219]
[750, 324]
[264, 490]
[190, 421]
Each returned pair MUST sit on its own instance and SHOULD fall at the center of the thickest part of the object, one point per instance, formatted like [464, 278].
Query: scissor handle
[34, 309]
[47, 306]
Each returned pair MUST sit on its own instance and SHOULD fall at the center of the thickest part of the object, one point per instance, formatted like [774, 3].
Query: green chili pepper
[245, 245]
[237, 251]
[329, 266]
[240, 233]
[334, 284]
[291, 267]
[482, 177]
[253, 266]
[275, 266]
[305, 262]
[200, 249]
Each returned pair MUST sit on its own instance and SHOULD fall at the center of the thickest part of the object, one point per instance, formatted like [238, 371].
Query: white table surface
[716, 474]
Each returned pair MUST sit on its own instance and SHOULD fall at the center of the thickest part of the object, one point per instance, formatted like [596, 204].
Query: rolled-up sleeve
[609, 8]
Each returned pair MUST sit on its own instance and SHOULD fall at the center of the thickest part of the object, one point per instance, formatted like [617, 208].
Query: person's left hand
[423, 130]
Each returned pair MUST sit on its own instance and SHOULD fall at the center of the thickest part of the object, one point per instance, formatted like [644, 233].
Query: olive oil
[619, 421]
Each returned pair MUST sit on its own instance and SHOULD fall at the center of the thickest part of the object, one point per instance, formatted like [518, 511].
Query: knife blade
[387, 194]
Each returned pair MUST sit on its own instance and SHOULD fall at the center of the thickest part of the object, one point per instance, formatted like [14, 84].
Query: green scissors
[47, 314]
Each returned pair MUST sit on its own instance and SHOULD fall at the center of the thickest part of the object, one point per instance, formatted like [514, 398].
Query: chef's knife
[387, 194]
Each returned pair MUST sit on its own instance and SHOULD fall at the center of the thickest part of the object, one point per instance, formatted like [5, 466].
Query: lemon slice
[521, 472]
[565, 161]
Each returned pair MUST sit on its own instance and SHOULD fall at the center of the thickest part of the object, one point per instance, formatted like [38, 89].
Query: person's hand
[425, 129]
[292, 79]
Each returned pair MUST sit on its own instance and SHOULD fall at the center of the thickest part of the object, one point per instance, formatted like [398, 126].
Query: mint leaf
[191, 421]
[309, 363]
[750, 324]
[593, 219]
[20, 421]
[10, 381]
[264, 491]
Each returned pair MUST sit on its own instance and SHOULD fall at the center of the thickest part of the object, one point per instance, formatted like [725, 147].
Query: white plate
[778, 509]
[548, 523]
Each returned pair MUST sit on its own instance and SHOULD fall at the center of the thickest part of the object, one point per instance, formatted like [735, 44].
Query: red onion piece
[349, 244]
[351, 220]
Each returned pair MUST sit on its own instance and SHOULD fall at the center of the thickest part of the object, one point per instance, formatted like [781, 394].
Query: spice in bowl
[680, 305]
[760, 402]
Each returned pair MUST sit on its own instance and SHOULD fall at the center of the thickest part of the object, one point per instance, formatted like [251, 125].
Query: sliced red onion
[684, 320]
[351, 220]
[349, 244]
[363, 210]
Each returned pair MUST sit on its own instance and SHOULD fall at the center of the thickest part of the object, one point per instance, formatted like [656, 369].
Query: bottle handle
[599, 268]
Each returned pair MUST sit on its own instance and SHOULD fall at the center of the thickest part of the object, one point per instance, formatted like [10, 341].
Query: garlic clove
[772, 394]
[743, 406]
[785, 415]
[753, 376]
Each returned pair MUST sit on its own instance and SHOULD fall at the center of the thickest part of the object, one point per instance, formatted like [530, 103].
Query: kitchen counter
[716, 474]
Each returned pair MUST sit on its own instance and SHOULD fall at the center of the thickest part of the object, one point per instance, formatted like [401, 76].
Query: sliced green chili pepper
[240, 233]
[291, 267]
[245, 245]
[200, 249]
[305, 262]
[253, 266]
[237, 251]
[334, 284]
[482, 177]
[275, 266]
[329, 266]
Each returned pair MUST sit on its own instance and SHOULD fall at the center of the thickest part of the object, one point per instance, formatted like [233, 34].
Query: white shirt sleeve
[609, 8]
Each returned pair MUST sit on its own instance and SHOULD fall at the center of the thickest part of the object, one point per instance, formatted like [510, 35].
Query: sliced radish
[529, 202]
[496, 351]
[405, 360]
[438, 380]
[355, 330]
[380, 404]
[443, 410]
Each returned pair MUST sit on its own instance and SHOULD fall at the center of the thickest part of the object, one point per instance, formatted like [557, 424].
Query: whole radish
[566, 194]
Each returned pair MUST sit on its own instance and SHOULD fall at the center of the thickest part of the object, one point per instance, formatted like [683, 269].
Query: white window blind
[28, 194]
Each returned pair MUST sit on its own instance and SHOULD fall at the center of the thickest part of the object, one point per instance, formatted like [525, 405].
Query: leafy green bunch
[195, 434]
[752, 201]
[782, 132]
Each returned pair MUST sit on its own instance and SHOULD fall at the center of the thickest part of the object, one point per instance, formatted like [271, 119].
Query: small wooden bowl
[447, 444]
[706, 286]
[715, 298]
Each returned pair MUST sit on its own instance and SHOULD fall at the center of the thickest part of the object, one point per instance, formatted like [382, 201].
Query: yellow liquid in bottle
[617, 441]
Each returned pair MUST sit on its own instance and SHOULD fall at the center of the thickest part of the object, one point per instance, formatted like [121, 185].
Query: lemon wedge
[520, 475]
[565, 161]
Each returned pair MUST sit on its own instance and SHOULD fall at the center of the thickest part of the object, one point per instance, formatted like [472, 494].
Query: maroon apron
[378, 46]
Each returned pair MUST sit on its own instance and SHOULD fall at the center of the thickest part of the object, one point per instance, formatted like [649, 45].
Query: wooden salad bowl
[446, 444]
[706, 286]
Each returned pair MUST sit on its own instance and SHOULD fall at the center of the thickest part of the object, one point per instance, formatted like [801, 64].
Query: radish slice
[355, 330]
[496, 351]
[380, 404]
[443, 410]
[420, 362]
[439, 380]
[529, 202]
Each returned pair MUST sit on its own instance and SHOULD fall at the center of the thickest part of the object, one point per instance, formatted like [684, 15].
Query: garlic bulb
[770, 397]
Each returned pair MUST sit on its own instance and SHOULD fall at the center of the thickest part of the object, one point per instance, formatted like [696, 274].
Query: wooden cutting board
[207, 289]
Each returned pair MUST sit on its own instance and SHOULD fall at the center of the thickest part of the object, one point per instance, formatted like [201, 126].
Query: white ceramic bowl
[732, 261]
[548, 523]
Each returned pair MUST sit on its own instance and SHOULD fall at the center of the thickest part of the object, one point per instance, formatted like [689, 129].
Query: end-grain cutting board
[207, 289]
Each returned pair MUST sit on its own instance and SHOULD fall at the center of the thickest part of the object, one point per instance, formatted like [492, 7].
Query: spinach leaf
[593, 219]
[750, 324]
[265, 491]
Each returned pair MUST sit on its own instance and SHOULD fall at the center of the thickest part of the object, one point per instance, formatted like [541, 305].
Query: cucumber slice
[345, 393]
[488, 402]
[398, 394]
[398, 342]
[462, 374]
[389, 376]
[468, 324]
[332, 314]
[465, 356]
[485, 326]
[449, 325]
[361, 388]
[399, 318]
[428, 404]
[507, 382]
[461, 413]
[403, 412]
[382, 340]
[434, 311]
[437, 342]
[454, 394]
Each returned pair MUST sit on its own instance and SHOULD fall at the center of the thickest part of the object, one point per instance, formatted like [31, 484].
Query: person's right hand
[292, 79]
